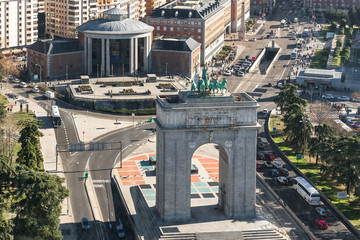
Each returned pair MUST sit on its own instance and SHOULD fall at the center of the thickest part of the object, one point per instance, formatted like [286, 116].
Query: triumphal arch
[191, 119]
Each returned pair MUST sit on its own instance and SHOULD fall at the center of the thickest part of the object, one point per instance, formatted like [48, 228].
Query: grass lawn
[320, 59]
[337, 61]
[3, 100]
[349, 207]
[21, 116]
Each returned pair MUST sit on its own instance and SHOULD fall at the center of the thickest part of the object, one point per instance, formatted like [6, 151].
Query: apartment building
[205, 21]
[63, 17]
[150, 5]
[327, 4]
[18, 22]
[262, 6]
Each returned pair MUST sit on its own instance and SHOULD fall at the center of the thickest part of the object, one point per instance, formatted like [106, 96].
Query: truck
[49, 95]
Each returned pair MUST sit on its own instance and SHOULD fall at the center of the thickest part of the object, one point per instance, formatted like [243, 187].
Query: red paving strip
[212, 171]
[142, 157]
[210, 165]
[152, 154]
[128, 168]
[208, 161]
[133, 178]
[195, 179]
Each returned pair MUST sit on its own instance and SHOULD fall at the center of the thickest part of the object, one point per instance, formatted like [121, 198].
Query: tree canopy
[30, 154]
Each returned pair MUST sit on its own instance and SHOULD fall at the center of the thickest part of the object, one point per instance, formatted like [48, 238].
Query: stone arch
[182, 128]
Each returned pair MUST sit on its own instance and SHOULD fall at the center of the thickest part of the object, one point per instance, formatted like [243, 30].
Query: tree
[342, 31]
[8, 67]
[322, 134]
[2, 112]
[30, 154]
[38, 208]
[339, 43]
[341, 157]
[352, 16]
[343, 22]
[287, 97]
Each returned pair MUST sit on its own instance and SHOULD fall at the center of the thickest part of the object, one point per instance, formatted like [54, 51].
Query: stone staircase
[150, 228]
[262, 234]
[178, 236]
[242, 235]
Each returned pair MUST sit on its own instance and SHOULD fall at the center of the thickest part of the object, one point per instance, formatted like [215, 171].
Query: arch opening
[209, 166]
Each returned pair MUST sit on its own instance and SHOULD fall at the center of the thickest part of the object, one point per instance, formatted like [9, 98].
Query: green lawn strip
[3, 100]
[350, 208]
[320, 59]
[23, 116]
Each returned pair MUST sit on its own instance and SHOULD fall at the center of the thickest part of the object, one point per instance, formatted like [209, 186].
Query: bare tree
[9, 133]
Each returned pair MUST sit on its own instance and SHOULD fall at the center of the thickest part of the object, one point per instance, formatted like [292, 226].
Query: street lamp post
[166, 69]
[67, 72]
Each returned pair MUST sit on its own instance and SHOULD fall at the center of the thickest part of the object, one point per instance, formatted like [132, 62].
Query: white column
[102, 57]
[148, 48]
[107, 57]
[85, 56]
[89, 56]
[131, 67]
[145, 55]
[136, 57]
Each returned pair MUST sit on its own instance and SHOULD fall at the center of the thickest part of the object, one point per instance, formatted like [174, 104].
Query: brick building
[176, 56]
[206, 22]
[56, 58]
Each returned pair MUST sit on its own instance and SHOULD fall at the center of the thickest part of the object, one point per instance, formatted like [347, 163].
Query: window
[199, 37]
[185, 29]
[191, 30]
[158, 28]
[171, 29]
[199, 30]
[164, 28]
[178, 29]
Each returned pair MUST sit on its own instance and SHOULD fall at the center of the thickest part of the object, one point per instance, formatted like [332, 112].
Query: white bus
[294, 53]
[308, 192]
[55, 115]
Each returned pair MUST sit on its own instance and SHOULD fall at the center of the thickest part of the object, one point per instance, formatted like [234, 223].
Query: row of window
[178, 29]
[178, 35]
[177, 22]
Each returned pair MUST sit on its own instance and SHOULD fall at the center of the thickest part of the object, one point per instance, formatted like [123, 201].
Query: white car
[282, 180]
[327, 96]
[265, 111]
[23, 84]
[344, 98]
[277, 164]
[321, 211]
[228, 73]
[35, 89]
[241, 74]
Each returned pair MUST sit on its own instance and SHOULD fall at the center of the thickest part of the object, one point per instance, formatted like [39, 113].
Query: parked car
[349, 123]
[274, 173]
[262, 145]
[35, 90]
[283, 171]
[321, 223]
[355, 100]
[327, 96]
[277, 164]
[291, 180]
[268, 164]
[282, 180]
[254, 39]
[260, 156]
[321, 211]
[265, 111]
[12, 95]
[240, 74]
[16, 80]
[343, 118]
[355, 126]
[23, 84]
[228, 73]
[258, 166]
[270, 156]
[85, 224]
[120, 232]
[344, 98]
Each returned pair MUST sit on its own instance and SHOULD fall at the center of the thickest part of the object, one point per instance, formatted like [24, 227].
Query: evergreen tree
[30, 154]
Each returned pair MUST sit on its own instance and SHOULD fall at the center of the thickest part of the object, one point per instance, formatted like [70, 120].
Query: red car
[355, 126]
[258, 166]
[321, 223]
[270, 156]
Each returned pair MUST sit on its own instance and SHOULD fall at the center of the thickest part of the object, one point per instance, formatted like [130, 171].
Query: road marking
[238, 87]
[101, 181]
[116, 158]
[72, 154]
[87, 163]
[255, 87]
[98, 185]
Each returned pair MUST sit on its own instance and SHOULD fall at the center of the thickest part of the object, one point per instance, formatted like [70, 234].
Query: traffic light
[86, 175]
